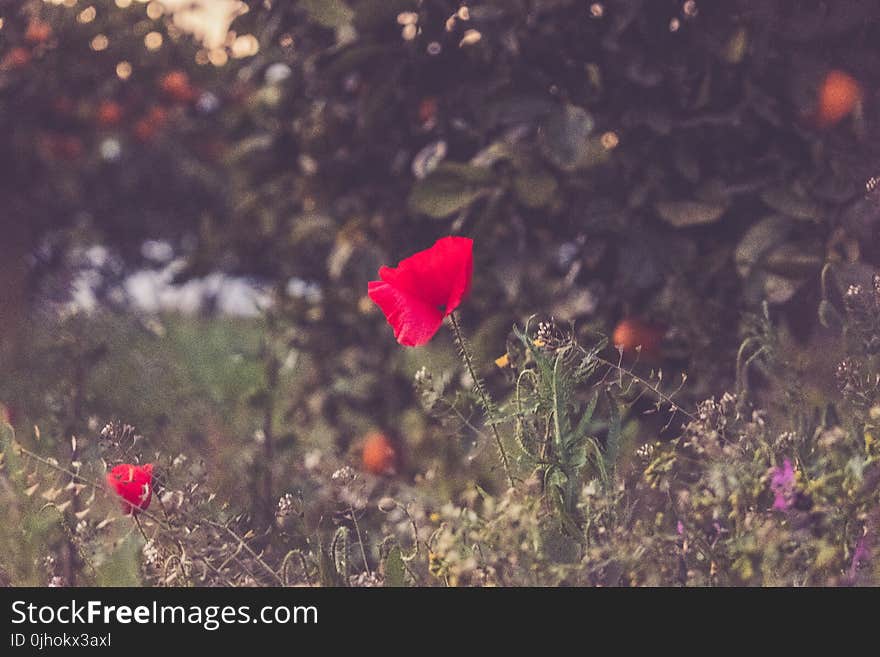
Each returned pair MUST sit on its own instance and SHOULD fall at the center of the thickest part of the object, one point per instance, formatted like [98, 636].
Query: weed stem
[484, 396]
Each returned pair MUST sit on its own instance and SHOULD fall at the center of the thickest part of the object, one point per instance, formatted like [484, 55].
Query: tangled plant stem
[484, 396]
[162, 525]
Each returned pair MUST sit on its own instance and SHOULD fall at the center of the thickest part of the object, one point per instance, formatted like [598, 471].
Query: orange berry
[16, 58]
[428, 111]
[379, 455]
[147, 127]
[157, 115]
[176, 86]
[38, 32]
[109, 113]
[631, 333]
[144, 130]
[839, 94]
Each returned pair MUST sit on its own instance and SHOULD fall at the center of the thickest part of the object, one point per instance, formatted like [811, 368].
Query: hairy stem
[484, 396]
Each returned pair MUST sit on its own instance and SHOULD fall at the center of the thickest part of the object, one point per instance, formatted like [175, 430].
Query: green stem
[484, 396]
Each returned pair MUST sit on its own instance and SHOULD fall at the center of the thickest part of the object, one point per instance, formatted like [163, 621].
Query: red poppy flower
[134, 484]
[425, 288]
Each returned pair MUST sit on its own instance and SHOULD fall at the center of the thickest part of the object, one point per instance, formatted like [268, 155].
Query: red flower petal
[414, 321]
[134, 484]
[424, 288]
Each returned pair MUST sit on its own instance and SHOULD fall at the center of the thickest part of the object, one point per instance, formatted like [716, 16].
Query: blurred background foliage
[669, 164]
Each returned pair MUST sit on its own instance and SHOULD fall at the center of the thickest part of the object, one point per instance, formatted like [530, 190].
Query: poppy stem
[484, 396]
[141, 529]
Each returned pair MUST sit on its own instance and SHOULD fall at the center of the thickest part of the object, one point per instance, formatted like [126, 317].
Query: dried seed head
[344, 476]
[646, 451]
[287, 506]
[847, 373]
[549, 336]
[855, 303]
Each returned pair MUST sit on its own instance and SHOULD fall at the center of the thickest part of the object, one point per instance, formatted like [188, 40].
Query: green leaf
[377, 14]
[793, 260]
[7, 435]
[394, 569]
[577, 458]
[467, 172]
[327, 572]
[580, 431]
[498, 151]
[683, 214]
[340, 548]
[758, 240]
[536, 188]
[442, 199]
[555, 480]
[829, 316]
[561, 421]
[518, 110]
[792, 202]
[354, 57]
[565, 136]
[247, 147]
[328, 13]
[329, 561]
[448, 189]
[312, 227]
[779, 289]
[612, 444]
[736, 47]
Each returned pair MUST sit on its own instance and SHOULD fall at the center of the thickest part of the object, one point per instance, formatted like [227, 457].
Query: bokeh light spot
[153, 41]
[99, 43]
[246, 45]
[87, 15]
[155, 10]
[123, 70]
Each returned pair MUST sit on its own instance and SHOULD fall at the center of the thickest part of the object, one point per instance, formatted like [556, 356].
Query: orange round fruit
[839, 94]
[427, 110]
[631, 334]
[157, 115]
[38, 32]
[144, 130]
[176, 86]
[109, 113]
[16, 58]
[379, 455]
[147, 127]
